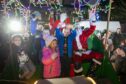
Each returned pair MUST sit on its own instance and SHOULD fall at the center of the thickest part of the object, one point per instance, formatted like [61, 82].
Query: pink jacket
[52, 68]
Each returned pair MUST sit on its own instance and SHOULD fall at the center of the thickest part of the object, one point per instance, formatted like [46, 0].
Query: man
[80, 47]
[65, 39]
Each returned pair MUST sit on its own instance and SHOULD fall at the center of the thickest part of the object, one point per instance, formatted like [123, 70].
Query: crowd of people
[61, 48]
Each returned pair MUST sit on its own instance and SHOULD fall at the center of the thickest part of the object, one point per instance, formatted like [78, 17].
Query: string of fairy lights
[55, 4]
[20, 9]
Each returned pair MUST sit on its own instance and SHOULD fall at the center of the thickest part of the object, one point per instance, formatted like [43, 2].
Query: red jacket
[83, 38]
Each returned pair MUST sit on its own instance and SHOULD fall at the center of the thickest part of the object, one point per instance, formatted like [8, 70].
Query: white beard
[79, 32]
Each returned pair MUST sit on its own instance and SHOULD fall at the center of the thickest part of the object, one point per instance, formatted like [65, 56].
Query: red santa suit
[80, 46]
[54, 24]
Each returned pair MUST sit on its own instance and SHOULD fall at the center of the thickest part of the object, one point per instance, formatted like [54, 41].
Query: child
[51, 58]
[25, 64]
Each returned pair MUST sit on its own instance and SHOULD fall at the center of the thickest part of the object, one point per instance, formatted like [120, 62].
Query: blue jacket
[33, 25]
[38, 36]
[60, 38]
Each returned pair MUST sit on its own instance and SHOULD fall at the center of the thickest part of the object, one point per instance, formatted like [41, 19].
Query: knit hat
[49, 39]
[36, 13]
[16, 35]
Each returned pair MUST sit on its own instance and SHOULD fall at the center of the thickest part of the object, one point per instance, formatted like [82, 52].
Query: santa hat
[49, 39]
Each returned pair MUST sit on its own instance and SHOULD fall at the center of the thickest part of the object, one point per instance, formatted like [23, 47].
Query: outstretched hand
[54, 56]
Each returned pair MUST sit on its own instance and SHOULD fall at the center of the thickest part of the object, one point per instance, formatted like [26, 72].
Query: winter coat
[39, 41]
[84, 43]
[84, 38]
[11, 71]
[33, 25]
[52, 68]
[60, 38]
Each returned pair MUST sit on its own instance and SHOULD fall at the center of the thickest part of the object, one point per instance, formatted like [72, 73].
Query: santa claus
[80, 46]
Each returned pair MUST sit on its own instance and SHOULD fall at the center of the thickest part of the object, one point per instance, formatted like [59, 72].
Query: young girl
[51, 59]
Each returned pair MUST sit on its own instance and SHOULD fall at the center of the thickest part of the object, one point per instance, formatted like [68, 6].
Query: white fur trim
[79, 32]
[78, 53]
[79, 70]
[87, 52]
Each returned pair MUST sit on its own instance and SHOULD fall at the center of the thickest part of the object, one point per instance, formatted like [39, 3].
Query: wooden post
[108, 20]
[109, 14]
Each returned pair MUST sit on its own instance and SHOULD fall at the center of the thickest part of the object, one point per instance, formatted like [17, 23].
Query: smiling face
[66, 32]
[17, 41]
[53, 44]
